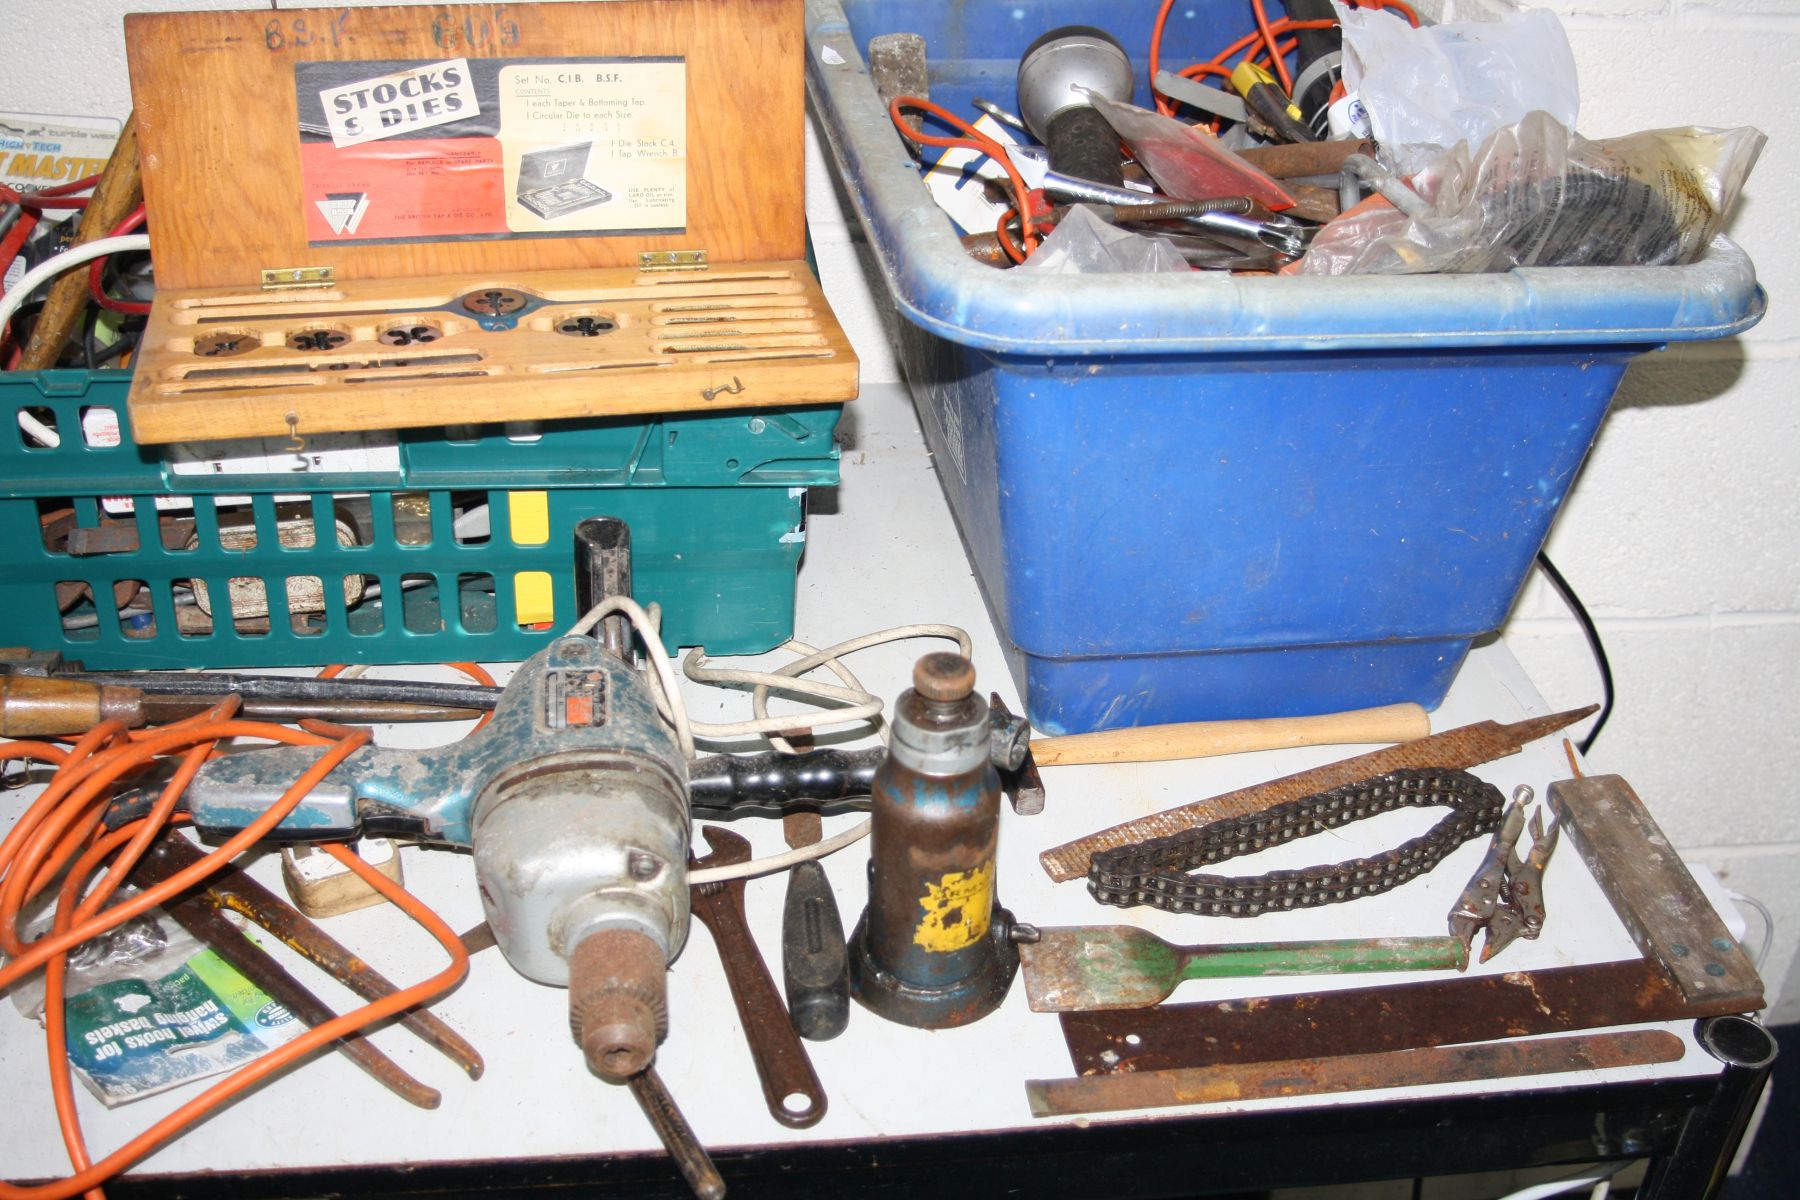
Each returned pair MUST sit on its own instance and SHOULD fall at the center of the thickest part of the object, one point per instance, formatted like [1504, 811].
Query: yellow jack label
[958, 909]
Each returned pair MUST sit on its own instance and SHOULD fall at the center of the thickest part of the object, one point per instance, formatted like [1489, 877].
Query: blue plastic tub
[1205, 496]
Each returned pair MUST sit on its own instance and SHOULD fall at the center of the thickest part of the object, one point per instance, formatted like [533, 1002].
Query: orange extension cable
[1263, 44]
[63, 826]
[973, 139]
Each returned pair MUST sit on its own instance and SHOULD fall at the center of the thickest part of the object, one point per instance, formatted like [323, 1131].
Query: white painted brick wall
[1683, 532]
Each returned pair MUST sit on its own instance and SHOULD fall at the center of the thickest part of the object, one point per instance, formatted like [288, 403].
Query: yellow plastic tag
[958, 909]
[534, 598]
[529, 515]
[528, 519]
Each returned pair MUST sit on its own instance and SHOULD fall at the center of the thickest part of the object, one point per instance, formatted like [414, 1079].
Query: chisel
[1094, 967]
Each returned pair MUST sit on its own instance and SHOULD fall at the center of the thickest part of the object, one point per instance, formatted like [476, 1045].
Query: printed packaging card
[458, 149]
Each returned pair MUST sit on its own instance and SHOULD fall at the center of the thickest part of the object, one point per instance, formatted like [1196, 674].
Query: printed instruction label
[42, 151]
[463, 149]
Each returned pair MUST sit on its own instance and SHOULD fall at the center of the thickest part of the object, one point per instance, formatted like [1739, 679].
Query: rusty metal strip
[1651, 889]
[1453, 749]
[1369, 1020]
[195, 912]
[1350, 1073]
[232, 889]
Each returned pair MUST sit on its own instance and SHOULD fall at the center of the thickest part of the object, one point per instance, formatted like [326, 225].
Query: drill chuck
[618, 1001]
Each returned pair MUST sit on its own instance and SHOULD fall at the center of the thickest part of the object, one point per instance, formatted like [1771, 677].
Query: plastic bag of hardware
[1427, 89]
[148, 1008]
[1083, 244]
[1187, 163]
[1536, 195]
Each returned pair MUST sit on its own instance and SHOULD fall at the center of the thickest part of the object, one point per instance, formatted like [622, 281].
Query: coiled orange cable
[62, 827]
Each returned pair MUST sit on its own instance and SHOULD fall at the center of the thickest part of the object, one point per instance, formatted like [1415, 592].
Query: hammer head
[1022, 785]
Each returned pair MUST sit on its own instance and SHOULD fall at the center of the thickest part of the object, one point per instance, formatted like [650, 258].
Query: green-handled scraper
[1083, 968]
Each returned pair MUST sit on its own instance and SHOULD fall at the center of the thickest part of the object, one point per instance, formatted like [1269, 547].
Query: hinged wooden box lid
[541, 210]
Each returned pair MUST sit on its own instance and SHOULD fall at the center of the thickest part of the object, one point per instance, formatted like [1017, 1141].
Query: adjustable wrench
[790, 1086]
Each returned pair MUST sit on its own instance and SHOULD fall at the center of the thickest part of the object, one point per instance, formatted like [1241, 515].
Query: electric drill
[574, 799]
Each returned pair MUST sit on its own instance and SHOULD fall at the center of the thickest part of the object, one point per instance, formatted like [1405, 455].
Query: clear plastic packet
[1427, 89]
[1083, 244]
[1188, 163]
[148, 1008]
[1536, 195]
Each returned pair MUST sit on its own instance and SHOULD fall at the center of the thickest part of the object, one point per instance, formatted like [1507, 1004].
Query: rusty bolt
[944, 676]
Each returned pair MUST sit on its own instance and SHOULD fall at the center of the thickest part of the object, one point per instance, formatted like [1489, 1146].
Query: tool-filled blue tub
[1204, 496]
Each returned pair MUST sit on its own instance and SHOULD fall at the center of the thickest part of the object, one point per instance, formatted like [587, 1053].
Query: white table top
[882, 552]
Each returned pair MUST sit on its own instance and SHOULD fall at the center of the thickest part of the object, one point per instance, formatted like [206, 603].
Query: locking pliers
[1505, 896]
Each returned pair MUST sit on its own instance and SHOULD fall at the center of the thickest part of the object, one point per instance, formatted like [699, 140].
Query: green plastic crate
[297, 569]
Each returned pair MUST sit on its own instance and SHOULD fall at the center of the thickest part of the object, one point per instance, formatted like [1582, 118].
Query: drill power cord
[859, 705]
[648, 625]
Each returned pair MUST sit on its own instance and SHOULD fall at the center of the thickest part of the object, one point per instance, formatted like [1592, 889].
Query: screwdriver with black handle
[1313, 86]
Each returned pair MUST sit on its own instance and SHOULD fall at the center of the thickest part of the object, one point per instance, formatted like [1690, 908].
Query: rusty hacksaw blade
[1454, 749]
[1437, 1012]
[1350, 1072]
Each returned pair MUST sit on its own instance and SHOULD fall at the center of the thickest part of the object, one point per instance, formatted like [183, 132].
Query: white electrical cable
[780, 862]
[759, 698]
[45, 271]
[43, 433]
[472, 522]
[830, 657]
[1762, 910]
[50, 268]
[783, 679]
[1560, 1187]
[1598, 1181]
[865, 706]
[862, 705]
[646, 627]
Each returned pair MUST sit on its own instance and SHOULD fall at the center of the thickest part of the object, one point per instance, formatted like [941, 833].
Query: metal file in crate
[428, 545]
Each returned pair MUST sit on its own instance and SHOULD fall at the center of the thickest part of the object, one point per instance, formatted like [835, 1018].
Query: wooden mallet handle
[1204, 739]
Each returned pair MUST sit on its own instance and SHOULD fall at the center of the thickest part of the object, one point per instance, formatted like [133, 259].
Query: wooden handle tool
[1204, 739]
[118, 192]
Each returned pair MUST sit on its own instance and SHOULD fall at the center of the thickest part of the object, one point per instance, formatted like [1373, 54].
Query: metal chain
[1155, 872]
